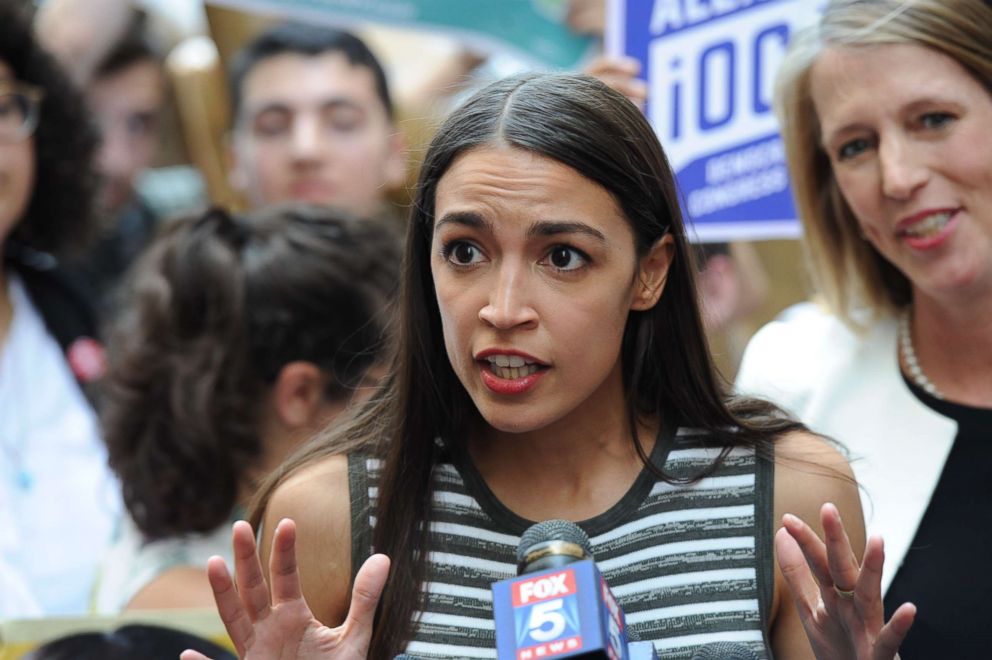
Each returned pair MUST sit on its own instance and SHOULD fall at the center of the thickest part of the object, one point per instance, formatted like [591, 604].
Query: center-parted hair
[216, 307]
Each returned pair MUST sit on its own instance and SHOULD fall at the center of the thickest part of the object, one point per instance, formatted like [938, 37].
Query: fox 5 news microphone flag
[710, 68]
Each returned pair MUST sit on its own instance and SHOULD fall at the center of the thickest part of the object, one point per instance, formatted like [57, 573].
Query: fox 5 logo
[546, 609]
[547, 621]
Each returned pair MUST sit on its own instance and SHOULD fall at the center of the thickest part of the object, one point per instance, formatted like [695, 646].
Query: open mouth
[511, 367]
[929, 227]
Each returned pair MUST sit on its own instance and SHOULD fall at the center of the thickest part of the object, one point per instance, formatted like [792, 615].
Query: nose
[116, 159]
[306, 138]
[902, 168]
[509, 304]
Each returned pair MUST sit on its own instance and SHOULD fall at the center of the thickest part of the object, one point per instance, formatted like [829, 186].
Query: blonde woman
[886, 107]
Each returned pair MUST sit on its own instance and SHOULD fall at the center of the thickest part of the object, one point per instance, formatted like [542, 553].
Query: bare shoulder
[810, 471]
[317, 498]
[179, 587]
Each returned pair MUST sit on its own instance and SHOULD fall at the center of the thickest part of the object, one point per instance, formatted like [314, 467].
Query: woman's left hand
[839, 602]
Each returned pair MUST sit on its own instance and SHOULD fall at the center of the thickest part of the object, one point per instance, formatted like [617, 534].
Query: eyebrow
[465, 219]
[555, 228]
[543, 228]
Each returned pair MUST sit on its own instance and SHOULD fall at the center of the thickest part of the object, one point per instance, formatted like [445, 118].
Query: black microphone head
[725, 651]
[550, 544]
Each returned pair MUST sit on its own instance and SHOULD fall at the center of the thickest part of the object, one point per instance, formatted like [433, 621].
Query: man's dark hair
[310, 40]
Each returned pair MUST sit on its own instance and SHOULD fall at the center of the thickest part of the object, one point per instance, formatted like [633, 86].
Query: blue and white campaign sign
[710, 67]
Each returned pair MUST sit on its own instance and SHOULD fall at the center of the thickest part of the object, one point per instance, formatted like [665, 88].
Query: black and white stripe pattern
[690, 564]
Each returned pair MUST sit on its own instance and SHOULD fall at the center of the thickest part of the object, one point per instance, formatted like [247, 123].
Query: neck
[574, 468]
[953, 345]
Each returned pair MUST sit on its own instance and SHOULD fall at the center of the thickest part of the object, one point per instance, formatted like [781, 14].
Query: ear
[396, 160]
[653, 273]
[298, 394]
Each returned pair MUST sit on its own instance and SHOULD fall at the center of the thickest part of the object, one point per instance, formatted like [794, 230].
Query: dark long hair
[59, 217]
[217, 306]
[667, 369]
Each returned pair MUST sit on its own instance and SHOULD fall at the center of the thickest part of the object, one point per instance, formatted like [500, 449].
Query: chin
[513, 421]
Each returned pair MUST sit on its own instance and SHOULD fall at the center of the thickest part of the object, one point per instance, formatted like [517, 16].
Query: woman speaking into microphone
[550, 362]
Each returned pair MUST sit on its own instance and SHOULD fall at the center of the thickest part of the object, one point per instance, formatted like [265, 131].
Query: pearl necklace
[909, 357]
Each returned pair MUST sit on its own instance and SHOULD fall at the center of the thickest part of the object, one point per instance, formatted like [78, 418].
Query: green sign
[531, 29]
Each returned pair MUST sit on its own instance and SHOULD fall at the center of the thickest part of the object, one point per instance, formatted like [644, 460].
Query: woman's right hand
[280, 624]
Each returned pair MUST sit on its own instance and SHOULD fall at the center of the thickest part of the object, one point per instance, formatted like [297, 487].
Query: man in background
[109, 49]
[313, 121]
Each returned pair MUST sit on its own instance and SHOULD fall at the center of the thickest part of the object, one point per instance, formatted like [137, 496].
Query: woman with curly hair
[58, 502]
[240, 336]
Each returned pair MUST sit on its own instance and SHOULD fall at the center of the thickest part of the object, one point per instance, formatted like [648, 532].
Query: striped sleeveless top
[689, 564]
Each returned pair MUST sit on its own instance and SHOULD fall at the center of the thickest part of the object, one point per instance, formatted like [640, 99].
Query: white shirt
[58, 499]
[849, 388]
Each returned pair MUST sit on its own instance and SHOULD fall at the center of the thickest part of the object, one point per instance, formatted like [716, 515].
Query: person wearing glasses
[58, 499]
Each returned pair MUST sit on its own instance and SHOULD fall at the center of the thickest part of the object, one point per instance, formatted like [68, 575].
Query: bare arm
[317, 498]
[268, 618]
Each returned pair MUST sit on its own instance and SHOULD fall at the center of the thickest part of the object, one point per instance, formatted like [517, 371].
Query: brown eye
[566, 258]
[462, 253]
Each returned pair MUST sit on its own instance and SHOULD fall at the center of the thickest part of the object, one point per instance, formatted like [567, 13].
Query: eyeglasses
[19, 105]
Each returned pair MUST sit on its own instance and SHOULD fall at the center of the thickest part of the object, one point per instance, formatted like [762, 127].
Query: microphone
[724, 651]
[559, 605]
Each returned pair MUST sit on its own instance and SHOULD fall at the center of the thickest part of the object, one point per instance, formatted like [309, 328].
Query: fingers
[813, 549]
[843, 565]
[869, 585]
[795, 570]
[283, 571]
[620, 73]
[894, 632]
[232, 611]
[252, 588]
[190, 654]
[369, 581]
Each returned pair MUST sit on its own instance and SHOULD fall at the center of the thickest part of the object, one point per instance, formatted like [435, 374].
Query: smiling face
[907, 132]
[313, 128]
[17, 170]
[535, 272]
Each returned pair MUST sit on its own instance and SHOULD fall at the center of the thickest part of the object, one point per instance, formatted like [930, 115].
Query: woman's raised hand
[839, 602]
[280, 624]
[620, 73]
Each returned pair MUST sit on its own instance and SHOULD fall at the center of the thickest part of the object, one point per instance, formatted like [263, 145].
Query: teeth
[932, 225]
[514, 361]
[513, 373]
